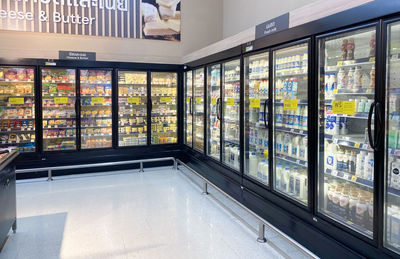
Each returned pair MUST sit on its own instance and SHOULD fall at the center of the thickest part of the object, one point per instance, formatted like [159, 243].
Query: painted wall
[201, 26]
[239, 15]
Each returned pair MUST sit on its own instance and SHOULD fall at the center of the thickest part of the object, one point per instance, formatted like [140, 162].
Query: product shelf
[58, 137]
[58, 127]
[17, 142]
[350, 178]
[17, 130]
[45, 96]
[349, 142]
[370, 61]
[58, 82]
[292, 160]
[291, 130]
[16, 81]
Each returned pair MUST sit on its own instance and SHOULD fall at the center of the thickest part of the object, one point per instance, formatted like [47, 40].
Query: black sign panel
[76, 55]
[277, 24]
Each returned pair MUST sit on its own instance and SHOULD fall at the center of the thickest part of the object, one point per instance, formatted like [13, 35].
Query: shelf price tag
[98, 100]
[354, 178]
[187, 99]
[372, 59]
[230, 101]
[357, 145]
[340, 63]
[213, 101]
[14, 100]
[61, 100]
[198, 100]
[369, 90]
[255, 103]
[165, 99]
[133, 100]
[265, 153]
[290, 104]
[344, 107]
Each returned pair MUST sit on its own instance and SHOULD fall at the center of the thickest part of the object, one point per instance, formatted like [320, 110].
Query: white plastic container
[369, 166]
[301, 186]
[278, 175]
[285, 178]
[253, 164]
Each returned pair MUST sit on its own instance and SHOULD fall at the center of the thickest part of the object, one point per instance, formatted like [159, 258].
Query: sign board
[277, 24]
[344, 107]
[60, 100]
[76, 55]
[290, 104]
[16, 100]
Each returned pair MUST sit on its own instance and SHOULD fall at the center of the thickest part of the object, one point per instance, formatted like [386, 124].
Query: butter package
[156, 28]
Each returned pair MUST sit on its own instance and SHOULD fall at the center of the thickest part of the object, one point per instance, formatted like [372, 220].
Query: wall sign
[107, 18]
[277, 24]
[75, 55]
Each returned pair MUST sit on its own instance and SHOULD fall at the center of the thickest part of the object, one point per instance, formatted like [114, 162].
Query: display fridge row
[284, 120]
[77, 107]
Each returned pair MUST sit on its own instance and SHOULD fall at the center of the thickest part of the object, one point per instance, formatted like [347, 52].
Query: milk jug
[253, 164]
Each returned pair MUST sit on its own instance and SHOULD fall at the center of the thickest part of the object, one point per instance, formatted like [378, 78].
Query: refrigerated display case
[188, 112]
[256, 163]
[214, 111]
[17, 108]
[59, 109]
[392, 141]
[290, 105]
[347, 95]
[231, 114]
[132, 108]
[164, 108]
[198, 116]
[96, 120]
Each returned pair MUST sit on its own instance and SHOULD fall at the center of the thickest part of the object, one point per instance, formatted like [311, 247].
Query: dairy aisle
[291, 121]
[188, 109]
[231, 114]
[214, 111]
[256, 164]
[198, 125]
[347, 91]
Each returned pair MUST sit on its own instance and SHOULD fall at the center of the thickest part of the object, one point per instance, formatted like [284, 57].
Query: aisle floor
[126, 214]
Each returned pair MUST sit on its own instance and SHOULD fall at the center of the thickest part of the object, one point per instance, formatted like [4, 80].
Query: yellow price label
[99, 100]
[357, 145]
[369, 90]
[335, 91]
[165, 99]
[199, 100]
[187, 99]
[133, 100]
[344, 107]
[340, 63]
[60, 100]
[254, 103]
[354, 178]
[213, 101]
[372, 59]
[230, 101]
[265, 153]
[290, 104]
[15, 100]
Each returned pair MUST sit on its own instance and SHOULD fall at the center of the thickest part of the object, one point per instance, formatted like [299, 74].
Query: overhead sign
[275, 25]
[107, 18]
[76, 55]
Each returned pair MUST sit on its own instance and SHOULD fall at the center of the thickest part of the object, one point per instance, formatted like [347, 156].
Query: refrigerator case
[392, 141]
[290, 106]
[96, 121]
[214, 111]
[132, 108]
[164, 108]
[198, 132]
[58, 109]
[231, 114]
[17, 108]
[347, 91]
[188, 119]
[256, 162]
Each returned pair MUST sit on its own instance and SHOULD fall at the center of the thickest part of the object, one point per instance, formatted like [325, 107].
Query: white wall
[239, 15]
[201, 26]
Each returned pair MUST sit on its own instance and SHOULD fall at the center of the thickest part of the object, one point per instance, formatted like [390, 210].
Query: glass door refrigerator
[256, 142]
[392, 141]
[17, 108]
[290, 105]
[198, 125]
[164, 108]
[346, 98]
[132, 108]
[188, 118]
[96, 120]
[231, 114]
[59, 109]
[214, 111]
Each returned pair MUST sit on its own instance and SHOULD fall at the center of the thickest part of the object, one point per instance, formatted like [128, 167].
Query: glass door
[214, 111]
[347, 94]
[96, 122]
[59, 109]
[392, 175]
[231, 114]
[198, 133]
[17, 108]
[290, 106]
[164, 108]
[188, 119]
[256, 117]
[132, 108]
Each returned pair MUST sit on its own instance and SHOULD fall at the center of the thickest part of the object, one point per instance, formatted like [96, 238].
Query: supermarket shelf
[96, 135]
[348, 223]
[132, 104]
[258, 78]
[262, 98]
[58, 127]
[280, 75]
[17, 142]
[163, 85]
[163, 115]
[132, 125]
[17, 130]
[133, 134]
[364, 91]
[17, 95]
[232, 122]
[59, 137]
[58, 106]
[16, 81]
[130, 95]
[132, 115]
[393, 191]
[350, 178]
[57, 82]
[234, 142]
[18, 118]
[257, 124]
[58, 95]
[96, 104]
[86, 82]
[95, 95]
[58, 117]
[349, 143]
[394, 91]
[291, 160]
[293, 131]
[95, 116]
[232, 81]
[300, 102]
[96, 126]
[131, 83]
[370, 61]
[17, 105]
[394, 152]
[60, 148]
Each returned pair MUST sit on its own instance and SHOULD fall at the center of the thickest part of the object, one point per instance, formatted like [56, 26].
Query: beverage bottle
[332, 83]
[278, 175]
[346, 160]
[285, 178]
[227, 150]
[295, 84]
[369, 163]
[295, 146]
[339, 160]
[302, 149]
[304, 63]
[279, 116]
[350, 79]
[344, 204]
[265, 171]
[236, 163]
[361, 106]
[358, 78]
[253, 163]
[361, 212]
[341, 79]
[350, 49]
[372, 77]
[344, 49]
[301, 186]
[327, 86]
[394, 176]
[292, 180]
[360, 164]
[279, 142]
[304, 118]
[287, 144]
[352, 162]
[336, 199]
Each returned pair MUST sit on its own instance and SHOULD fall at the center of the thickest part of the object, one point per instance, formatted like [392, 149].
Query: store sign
[344, 107]
[107, 18]
[275, 25]
[75, 55]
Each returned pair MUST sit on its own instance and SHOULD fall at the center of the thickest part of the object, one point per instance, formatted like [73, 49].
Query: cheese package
[156, 28]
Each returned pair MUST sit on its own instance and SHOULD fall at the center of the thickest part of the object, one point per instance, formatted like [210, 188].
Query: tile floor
[126, 214]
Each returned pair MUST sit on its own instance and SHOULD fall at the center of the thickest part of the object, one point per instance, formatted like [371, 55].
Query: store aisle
[156, 214]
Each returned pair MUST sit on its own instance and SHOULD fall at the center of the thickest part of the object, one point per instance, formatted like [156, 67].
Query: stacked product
[214, 111]
[198, 119]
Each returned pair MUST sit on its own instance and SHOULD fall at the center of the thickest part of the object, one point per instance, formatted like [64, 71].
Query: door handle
[374, 142]
[218, 109]
[265, 113]
[191, 106]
